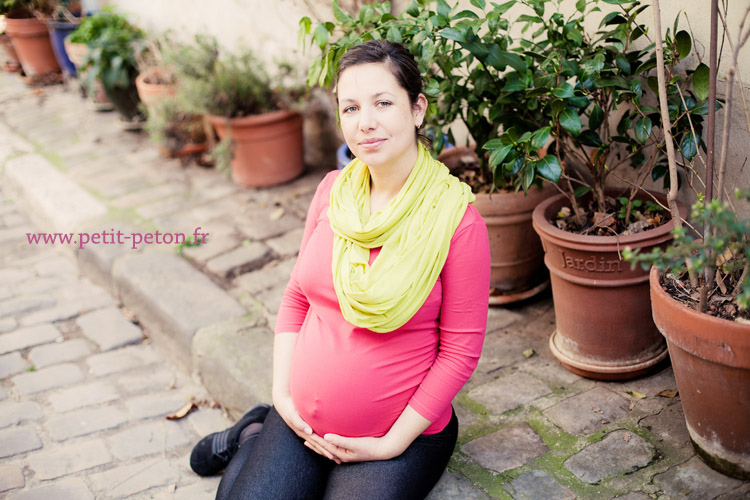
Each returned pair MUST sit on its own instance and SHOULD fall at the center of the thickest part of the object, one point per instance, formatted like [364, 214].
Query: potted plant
[700, 290]
[27, 31]
[460, 86]
[592, 97]
[64, 20]
[253, 114]
[178, 133]
[112, 43]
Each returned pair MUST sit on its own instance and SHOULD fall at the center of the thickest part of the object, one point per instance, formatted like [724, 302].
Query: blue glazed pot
[58, 31]
[343, 156]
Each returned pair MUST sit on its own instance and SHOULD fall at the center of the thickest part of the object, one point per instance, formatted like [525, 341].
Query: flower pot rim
[255, 120]
[543, 225]
[723, 335]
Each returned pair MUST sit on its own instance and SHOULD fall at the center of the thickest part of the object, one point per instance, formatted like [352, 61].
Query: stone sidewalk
[529, 428]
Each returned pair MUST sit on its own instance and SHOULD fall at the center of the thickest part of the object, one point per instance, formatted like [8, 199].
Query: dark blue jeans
[276, 465]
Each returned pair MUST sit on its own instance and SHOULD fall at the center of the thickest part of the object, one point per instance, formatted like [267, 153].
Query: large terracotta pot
[603, 319]
[268, 147]
[711, 362]
[517, 259]
[32, 43]
[12, 63]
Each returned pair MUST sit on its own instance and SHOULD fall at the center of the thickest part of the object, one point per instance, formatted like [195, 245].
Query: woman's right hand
[285, 407]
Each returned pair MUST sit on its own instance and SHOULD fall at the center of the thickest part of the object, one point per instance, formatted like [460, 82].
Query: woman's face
[377, 119]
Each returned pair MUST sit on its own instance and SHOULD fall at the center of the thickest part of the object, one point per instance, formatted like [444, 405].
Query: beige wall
[270, 28]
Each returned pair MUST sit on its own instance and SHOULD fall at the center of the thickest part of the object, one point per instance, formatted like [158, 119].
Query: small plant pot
[12, 64]
[58, 32]
[31, 41]
[711, 362]
[150, 93]
[186, 150]
[267, 147]
[603, 319]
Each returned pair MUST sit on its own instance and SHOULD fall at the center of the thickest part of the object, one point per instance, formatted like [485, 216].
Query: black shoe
[213, 453]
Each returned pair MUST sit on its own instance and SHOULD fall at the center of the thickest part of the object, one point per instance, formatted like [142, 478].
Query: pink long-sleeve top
[355, 382]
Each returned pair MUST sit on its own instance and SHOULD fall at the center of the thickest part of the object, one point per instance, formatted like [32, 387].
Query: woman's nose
[367, 120]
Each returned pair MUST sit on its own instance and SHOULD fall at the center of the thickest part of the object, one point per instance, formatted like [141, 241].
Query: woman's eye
[350, 109]
[383, 104]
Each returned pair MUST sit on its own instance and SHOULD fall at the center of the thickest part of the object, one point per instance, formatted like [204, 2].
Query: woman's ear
[420, 109]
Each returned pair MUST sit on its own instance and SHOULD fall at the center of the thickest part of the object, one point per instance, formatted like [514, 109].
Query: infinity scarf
[414, 231]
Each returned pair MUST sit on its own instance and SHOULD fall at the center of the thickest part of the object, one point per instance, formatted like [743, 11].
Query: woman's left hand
[361, 449]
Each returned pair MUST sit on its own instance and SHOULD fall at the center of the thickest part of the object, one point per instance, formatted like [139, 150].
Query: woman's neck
[387, 180]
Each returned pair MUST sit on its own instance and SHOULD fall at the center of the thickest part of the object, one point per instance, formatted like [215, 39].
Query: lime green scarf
[414, 231]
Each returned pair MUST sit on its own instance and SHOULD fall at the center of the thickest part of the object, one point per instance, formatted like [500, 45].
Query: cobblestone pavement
[84, 389]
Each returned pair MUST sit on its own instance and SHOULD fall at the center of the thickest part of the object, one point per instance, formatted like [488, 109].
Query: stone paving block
[538, 485]
[81, 396]
[619, 452]
[127, 480]
[507, 448]
[551, 371]
[28, 337]
[216, 245]
[17, 440]
[233, 360]
[5, 292]
[12, 276]
[588, 412]
[499, 318]
[669, 429]
[509, 392]
[70, 350]
[158, 404]
[634, 495]
[69, 459]
[7, 324]
[501, 350]
[12, 363]
[122, 359]
[19, 305]
[13, 413]
[694, 480]
[47, 378]
[86, 421]
[274, 274]
[144, 196]
[11, 478]
[452, 487]
[207, 421]
[65, 489]
[147, 439]
[3, 394]
[162, 207]
[204, 489]
[242, 259]
[287, 245]
[259, 224]
[741, 493]
[59, 266]
[173, 300]
[57, 202]
[271, 298]
[109, 328]
[141, 382]
[39, 285]
[58, 312]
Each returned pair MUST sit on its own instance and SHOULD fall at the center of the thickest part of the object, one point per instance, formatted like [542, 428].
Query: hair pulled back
[399, 60]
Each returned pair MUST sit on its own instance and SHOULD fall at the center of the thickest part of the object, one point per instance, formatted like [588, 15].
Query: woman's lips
[371, 143]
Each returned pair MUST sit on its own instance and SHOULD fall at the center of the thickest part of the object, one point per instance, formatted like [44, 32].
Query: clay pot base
[511, 297]
[43, 80]
[603, 370]
[719, 458]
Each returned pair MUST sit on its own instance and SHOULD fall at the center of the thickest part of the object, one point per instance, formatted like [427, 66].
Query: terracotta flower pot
[268, 147]
[76, 52]
[711, 362]
[517, 259]
[152, 93]
[32, 43]
[12, 63]
[604, 328]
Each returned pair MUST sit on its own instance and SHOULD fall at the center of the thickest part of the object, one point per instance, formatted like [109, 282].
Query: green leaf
[493, 144]
[539, 138]
[320, 35]
[564, 91]
[683, 43]
[700, 81]
[570, 121]
[580, 191]
[304, 29]
[590, 138]
[503, 8]
[528, 176]
[499, 59]
[339, 13]
[642, 129]
[413, 9]
[687, 146]
[498, 155]
[394, 35]
[581, 5]
[443, 9]
[549, 168]
[596, 117]
[452, 34]
[479, 4]
[623, 64]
